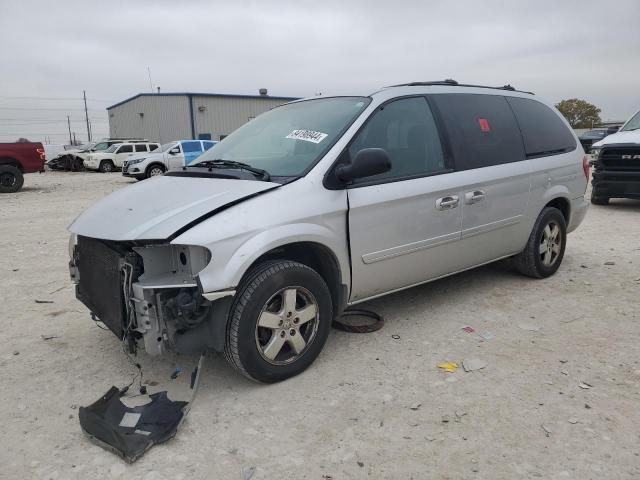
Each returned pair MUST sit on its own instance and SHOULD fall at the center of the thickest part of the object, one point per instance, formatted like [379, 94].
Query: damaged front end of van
[135, 277]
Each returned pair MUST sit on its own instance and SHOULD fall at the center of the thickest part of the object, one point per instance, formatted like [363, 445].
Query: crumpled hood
[156, 208]
[632, 136]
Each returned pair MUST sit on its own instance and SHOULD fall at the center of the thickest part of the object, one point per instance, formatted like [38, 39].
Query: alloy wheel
[287, 325]
[550, 244]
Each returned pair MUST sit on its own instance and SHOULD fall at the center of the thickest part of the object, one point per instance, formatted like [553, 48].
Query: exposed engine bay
[148, 293]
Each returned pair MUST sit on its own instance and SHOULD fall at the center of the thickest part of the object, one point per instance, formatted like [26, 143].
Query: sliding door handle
[447, 203]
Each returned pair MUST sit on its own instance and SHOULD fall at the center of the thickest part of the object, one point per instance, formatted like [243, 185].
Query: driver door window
[407, 131]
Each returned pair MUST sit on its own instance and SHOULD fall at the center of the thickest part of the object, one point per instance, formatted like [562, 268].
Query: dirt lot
[350, 415]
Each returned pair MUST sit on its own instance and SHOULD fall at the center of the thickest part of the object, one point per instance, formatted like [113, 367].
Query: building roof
[195, 94]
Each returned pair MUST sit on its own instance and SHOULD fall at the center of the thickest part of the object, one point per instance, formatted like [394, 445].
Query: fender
[229, 275]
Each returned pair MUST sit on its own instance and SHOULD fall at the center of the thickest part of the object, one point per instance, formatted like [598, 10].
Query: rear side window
[543, 130]
[191, 147]
[125, 149]
[407, 131]
[482, 129]
[141, 148]
[153, 146]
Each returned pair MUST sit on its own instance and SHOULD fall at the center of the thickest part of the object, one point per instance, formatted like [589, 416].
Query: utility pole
[86, 114]
[69, 125]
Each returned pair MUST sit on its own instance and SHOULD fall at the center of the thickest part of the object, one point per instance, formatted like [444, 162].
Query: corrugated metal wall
[222, 115]
[164, 118]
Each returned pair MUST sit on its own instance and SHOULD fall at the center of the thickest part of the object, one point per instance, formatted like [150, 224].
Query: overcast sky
[52, 51]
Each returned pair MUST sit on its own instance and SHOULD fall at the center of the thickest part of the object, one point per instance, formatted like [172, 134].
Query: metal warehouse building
[163, 117]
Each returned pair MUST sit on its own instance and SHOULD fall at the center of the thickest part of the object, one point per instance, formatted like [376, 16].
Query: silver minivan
[324, 203]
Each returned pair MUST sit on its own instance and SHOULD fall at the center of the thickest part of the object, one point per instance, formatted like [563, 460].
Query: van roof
[453, 83]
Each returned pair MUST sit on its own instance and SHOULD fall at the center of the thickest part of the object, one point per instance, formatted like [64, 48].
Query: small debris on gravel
[547, 432]
[48, 337]
[448, 367]
[486, 335]
[573, 421]
[584, 266]
[247, 473]
[564, 361]
[471, 364]
[609, 263]
[176, 373]
[415, 406]
[16, 352]
[585, 385]
[395, 337]
[587, 406]
[43, 301]
[360, 464]
[445, 419]
[529, 327]
[459, 414]
[564, 372]
[468, 329]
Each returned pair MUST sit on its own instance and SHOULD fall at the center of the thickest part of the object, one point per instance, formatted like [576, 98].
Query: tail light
[41, 153]
[585, 166]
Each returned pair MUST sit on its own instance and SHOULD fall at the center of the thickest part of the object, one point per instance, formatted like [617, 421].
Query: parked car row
[171, 156]
[73, 158]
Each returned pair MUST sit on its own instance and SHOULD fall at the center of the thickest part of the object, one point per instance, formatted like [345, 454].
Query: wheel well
[151, 165]
[319, 258]
[563, 205]
[11, 161]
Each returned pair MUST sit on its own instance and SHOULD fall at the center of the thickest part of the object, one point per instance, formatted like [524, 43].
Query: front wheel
[599, 200]
[279, 321]
[107, 166]
[155, 170]
[545, 248]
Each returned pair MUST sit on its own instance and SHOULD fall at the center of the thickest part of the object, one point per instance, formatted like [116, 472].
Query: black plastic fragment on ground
[130, 431]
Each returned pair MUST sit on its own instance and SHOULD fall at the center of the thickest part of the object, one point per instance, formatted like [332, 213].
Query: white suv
[323, 203]
[113, 158]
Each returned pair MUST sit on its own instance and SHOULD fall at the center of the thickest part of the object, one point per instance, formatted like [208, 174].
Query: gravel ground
[372, 406]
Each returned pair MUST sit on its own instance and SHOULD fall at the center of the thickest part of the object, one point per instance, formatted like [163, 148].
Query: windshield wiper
[219, 163]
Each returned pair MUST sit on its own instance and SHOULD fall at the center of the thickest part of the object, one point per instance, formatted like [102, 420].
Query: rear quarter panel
[29, 156]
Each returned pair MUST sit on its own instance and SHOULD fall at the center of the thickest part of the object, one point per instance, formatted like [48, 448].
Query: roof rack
[452, 83]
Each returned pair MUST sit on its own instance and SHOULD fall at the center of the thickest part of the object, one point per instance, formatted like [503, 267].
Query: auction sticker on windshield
[307, 136]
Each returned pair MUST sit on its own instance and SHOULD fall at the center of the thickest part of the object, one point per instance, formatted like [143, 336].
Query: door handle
[474, 197]
[447, 203]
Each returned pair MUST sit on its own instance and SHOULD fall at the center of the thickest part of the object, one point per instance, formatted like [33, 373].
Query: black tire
[154, 170]
[11, 179]
[599, 200]
[107, 166]
[530, 261]
[259, 285]
[77, 164]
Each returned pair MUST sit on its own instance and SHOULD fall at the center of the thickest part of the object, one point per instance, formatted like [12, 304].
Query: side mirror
[367, 162]
[174, 151]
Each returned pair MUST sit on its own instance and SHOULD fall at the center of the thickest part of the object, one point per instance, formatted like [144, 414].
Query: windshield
[101, 146]
[167, 146]
[113, 148]
[288, 140]
[632, 124]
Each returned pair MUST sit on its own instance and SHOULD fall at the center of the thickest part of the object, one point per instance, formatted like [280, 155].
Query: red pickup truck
[16, 159]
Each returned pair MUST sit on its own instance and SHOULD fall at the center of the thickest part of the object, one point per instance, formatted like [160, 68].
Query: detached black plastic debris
[130, 431]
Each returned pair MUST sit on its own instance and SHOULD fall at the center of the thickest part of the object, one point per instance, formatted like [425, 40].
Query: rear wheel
[545, 248]
[155, 170]
[107, 166]
[11, 179]
[279, 321]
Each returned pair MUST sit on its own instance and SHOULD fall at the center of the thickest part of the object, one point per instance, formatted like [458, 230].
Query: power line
[12, 97]
[50, 109]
